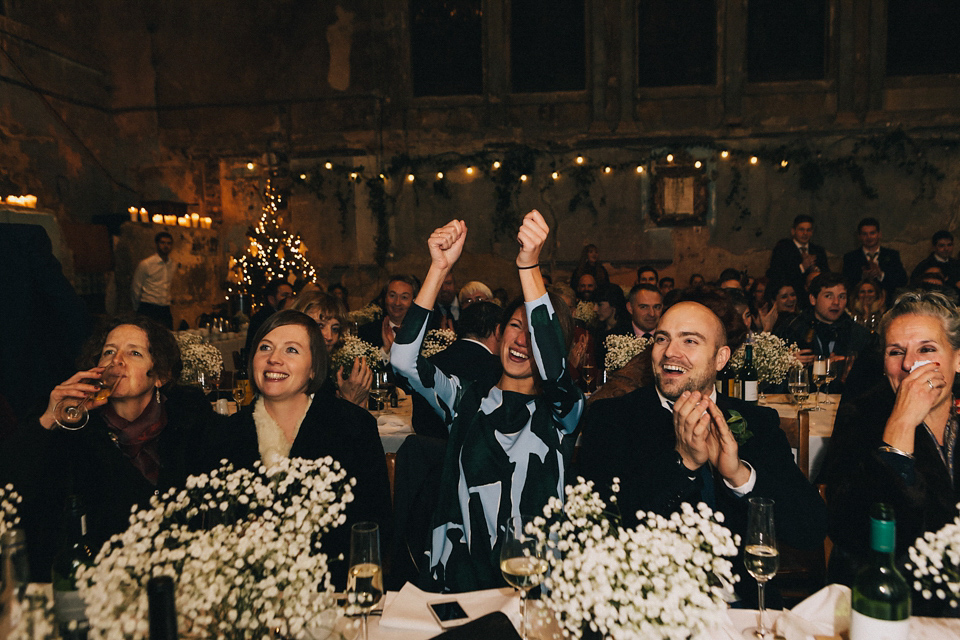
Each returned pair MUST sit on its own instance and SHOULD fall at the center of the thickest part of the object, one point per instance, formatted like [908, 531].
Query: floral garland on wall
[511, 168]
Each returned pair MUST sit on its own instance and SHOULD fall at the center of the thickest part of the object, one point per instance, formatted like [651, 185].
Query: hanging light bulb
[698, 164]
[496, 164]
[639, 168]
[469, 171]
[579, 159]
[523, 178]
[410, 177]
[669, 157]
[724, 154]
[439, 175]
[607, 169]
[754, 159]
[555, 175]
[328, 165]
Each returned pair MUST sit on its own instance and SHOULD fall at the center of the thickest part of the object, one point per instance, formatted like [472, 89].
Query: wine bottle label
[68, 605]
[865, 628]
[750, 390]
[83, 525]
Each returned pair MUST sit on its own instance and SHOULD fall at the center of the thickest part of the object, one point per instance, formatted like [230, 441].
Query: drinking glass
[71, 413]
[589, 373]
[365, 577]
[820, 365]
[380, 387]
[760, 555]
[798, 383]
[238, 395]
[833, 370]
[522, 561]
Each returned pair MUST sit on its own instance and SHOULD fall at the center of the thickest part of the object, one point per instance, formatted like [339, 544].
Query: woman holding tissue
[510, 444]
[897, 443]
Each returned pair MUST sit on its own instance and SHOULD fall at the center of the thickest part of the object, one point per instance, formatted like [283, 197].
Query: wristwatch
[690, 473]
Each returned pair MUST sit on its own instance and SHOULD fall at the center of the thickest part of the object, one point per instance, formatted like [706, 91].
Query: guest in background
[757, 293]
[795, 257]
[781, 304]
[667, 284]
[583, 350]
[645, 304]
[148, 436]
[613, 316]
[509, 445]
[150, 287]
[867, 304]
[447, 312]
[586, 287]
[897, 443]
[276, 292]
[330, 315]
[291, 419]
[941, 256]
[397, 298]
[589, 263]
[342, 294]
[696, 280]
[648, 275]
[474, 291]
[871, 261]
[730, 278]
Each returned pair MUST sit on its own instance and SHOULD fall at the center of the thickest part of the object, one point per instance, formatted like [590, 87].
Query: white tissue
[919, 363]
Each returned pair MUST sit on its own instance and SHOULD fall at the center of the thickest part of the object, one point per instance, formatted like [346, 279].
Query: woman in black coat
[897, 442]
[146, 437]
[290, 418]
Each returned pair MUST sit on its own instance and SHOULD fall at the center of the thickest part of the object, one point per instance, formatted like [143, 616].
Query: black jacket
[785, 266]
[894, 275]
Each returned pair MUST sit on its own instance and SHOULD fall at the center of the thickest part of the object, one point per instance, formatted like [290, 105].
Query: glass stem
[523, 614]
[761, 630]
[364, 624]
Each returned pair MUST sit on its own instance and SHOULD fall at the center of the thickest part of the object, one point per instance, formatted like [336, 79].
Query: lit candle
[157, 218]
[170, 220]
[194, 219]
[183, 221]
[207, 222]
[30, 201]
[144, 216]
[133, 213]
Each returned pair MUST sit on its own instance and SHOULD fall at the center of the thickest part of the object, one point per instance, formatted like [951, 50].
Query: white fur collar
[272, 442]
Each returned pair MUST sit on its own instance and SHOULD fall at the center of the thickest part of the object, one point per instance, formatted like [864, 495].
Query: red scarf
[137, 439]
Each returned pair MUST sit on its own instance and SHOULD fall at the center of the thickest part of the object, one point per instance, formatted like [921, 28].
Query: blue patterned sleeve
[436, 387]
[550, 356]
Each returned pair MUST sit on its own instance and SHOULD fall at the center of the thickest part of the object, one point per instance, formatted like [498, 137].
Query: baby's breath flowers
[242, 546]
[623, 349]
[666, 578]
[586, 313]
[352, 349]
[436, 341]
[199, 356]
[367, 314]
[772, 356]
[935, 564]
[9, 504]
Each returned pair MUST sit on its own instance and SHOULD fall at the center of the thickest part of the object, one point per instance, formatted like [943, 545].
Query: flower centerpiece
[367, 314]
[352, 349]
[199, 356]
[623, 349]
[243, 547]
[935, 564]
[586, 313]
[665, 578]
[773, 357]
[436, 341]
[9, 505]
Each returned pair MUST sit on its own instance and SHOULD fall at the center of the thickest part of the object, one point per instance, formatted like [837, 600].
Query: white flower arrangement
[586, 313]
[772, 356]
[367, 314]
[935, 564]
[199, 356]
[33, 617]
[666, 578]
[9, 505]
[352, 349]
[242, 546]
[436, 341]
[623, 349]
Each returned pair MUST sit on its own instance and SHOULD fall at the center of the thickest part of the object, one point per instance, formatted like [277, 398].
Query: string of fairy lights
[273, 252]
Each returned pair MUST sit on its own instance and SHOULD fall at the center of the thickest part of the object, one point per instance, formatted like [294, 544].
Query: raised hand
[532, 236]
[724, 450]
[919, 392]
[446, 244]
[691, 423]
[73, 387]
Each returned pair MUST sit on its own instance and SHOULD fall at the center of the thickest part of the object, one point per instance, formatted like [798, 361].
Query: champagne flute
[760, 555]
[833, 370]
[365, 576]
[798, 383]
[522, 561]
[71, 413]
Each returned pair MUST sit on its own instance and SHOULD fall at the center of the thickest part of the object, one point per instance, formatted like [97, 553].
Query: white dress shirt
[151, 281]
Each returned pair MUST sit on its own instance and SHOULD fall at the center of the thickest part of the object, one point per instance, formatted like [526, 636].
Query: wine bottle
[748, 374]
[163, 608]
[241, 380]
[72, 552]
[881, 597]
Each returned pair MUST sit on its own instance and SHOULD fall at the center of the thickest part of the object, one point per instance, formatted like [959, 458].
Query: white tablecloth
[821, 424]
[395, 424]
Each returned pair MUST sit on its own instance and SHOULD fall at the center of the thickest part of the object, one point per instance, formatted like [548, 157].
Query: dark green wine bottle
[162, 608]
[748, 374]
[73, 551]
[881, 597]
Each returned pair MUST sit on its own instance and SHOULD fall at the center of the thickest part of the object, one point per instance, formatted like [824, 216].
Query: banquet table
[395, 423]
[821, 423]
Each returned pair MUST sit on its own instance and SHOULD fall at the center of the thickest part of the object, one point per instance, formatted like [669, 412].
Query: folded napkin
[387, 424]
[825, 613]
[408, 609]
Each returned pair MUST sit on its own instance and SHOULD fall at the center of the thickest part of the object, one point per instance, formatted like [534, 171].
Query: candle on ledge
[144, 216]
[157, 218]
[170, 220]
[194, 219]
[133, 213]
[206, 222]
[30, 201]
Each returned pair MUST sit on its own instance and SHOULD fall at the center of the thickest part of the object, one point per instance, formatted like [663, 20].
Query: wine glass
[380, 387]
[238, 395]
[71, 413]
[365, 577]
[522, 561]
[205, 380]
[589, 373]
[833, 370]
[798, 383]
[760, 555]
[820, 364]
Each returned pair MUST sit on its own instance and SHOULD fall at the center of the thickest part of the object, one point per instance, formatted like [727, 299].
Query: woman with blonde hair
[868, 302]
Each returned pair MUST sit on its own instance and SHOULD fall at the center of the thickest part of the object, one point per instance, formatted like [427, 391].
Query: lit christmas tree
[273, 253]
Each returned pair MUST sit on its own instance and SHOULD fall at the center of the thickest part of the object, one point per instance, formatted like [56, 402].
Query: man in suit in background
[873, 261]
[446, 313]
[397, 298]
[474, 357]
[795, 257]
[941, 256]
[670, 443]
